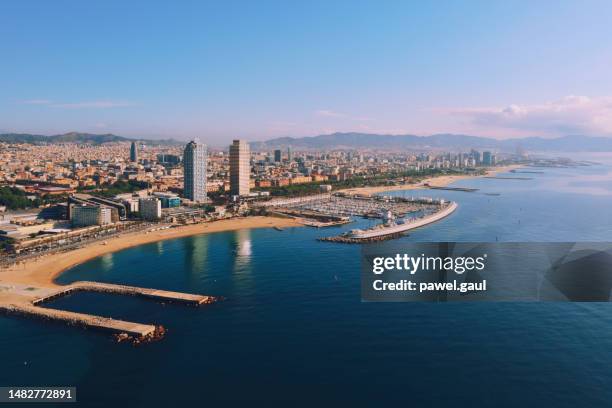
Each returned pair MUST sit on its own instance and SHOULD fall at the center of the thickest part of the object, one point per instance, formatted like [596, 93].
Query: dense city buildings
[194, 164]
[46, 173]
[240, 167]
[88, 190]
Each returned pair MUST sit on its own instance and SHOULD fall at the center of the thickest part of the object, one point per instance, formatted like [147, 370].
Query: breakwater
[385, 232]
[464, 189]
[26, 300]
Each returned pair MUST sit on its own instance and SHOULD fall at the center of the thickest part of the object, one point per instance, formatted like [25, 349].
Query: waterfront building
[168, 200]
[87, 215]
[240, 167]
[131, 204]
[133, 152]
[150, 208]
[194, 165]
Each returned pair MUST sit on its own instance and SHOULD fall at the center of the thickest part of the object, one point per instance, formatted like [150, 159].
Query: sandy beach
[42, 271]
[438, 181]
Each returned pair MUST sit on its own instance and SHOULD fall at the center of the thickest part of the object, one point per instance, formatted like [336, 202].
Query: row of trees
[120, 187]
[360, 181]
[16, 199]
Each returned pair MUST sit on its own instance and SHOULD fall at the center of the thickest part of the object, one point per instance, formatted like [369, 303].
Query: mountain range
[76, 137]
[573, 143]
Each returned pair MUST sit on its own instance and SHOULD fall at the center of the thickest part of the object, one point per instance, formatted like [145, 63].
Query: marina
[392, 229]
[340, 207]
[399, 214]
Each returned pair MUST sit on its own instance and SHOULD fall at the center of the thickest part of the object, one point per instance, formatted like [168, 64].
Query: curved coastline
[44, 270]
[438, 181]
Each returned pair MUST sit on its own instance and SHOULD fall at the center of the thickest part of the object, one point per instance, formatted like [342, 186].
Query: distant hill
[75, 137]
[441, 141]
[574, 143]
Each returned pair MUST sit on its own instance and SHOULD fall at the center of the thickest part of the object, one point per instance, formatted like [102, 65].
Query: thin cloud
[569, 115]
[329, 113]
[93, 105]
[36, 102]
[103, 104]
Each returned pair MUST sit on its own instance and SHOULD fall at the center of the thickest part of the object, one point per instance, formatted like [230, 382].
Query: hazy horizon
[220, 143]
[258, 71]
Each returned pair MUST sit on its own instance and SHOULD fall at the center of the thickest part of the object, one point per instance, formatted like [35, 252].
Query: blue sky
[262, 69]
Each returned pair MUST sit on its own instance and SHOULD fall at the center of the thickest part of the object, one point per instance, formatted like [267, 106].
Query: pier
[155, 294]
[23, 300]
[464, 189]
[80, 319]
[527, 171]
[508, 178]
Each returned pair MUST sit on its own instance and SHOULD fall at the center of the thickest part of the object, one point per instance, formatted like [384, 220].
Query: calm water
[294, 332]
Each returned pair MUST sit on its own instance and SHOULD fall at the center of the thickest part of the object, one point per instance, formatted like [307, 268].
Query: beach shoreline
[436, 181]
[44, 270]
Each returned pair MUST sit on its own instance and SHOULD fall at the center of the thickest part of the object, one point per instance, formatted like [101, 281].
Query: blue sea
[294, 332]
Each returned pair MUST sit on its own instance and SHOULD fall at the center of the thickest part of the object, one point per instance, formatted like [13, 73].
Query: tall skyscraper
[240, 167]
[486, 159]
[277, 156]
[194, 169]
[133, 152]
[289, 157]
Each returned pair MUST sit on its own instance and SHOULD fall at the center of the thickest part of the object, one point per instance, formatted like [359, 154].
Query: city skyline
[481, 68]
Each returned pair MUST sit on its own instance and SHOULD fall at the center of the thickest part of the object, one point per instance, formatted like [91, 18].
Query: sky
[262, 69]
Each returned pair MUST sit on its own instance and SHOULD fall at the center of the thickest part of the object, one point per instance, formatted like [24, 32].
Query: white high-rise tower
[194, 168]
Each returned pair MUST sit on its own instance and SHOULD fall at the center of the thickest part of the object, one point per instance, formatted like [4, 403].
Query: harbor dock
[155, 294]
[508, 178]
[464, 189]
[80, 319]
[23, 300]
